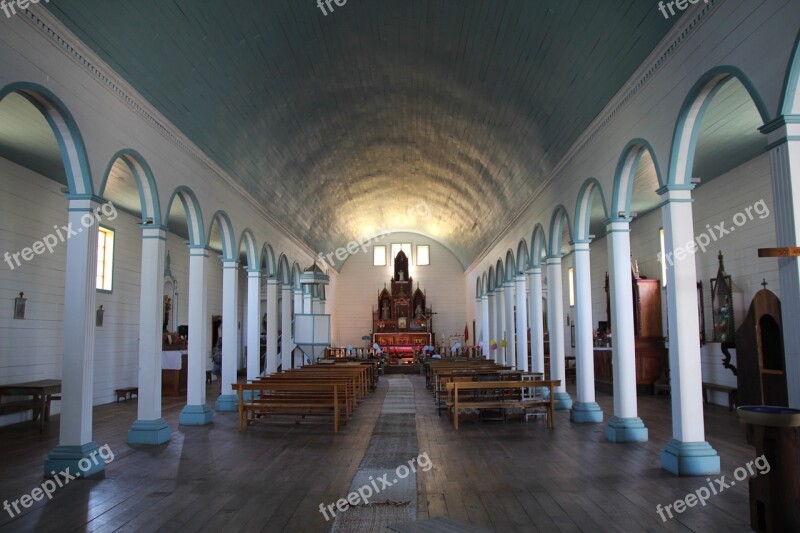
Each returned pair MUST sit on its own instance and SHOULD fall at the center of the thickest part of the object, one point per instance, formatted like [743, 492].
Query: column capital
[675, 192]
[272, 282]
[253, 272]
[153, 232]
[535, 271]
[553, 260]
[509, 283]
[520, 278]
[83, 201]
[618, 225]
[580, 246]
[781, 131]
[198, 251]
[226, 264]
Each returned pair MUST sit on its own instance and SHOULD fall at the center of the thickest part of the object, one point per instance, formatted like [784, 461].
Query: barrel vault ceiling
[435, 116]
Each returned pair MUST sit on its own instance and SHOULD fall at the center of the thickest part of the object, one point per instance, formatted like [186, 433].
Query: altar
[402, 322]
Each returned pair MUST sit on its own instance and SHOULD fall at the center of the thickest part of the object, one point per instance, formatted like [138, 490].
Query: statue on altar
[385, 310]
[419, 312]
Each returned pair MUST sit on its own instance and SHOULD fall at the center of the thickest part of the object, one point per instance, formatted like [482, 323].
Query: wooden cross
[788, 251]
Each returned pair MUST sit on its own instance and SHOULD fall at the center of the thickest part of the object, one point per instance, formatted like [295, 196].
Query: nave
[511, 476]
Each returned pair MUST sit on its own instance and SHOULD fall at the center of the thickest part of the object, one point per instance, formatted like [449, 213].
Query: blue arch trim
[491, 279]
[538, 246]
[523, 257]
[583, 208]
[511, 266]
[268, 261]
[792, 80]
[248, 239]
[296, 275]
[69, 141]
[499, 274]
[284, 273]
[194, 215]
[229, 250]
[560, 214]
[717, 76]
[621, 199]
[484, 284]
[142, 175]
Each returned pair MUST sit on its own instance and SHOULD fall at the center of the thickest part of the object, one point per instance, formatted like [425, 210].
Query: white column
[253, 323]
[499, 300]
[555, 324]
[478, 322]
[508, 312]
[625, 425]
[784, 156]
[492, 332]
[687, 453]
[150, 427]
[585, 408]
[287, 344]
[196, 412]
[522, 324]
[228, 401]
[536, 319]
[272, 326]
[485, 326]
[75, 433]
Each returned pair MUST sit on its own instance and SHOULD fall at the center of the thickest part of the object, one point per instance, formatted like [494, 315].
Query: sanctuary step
[412, 368]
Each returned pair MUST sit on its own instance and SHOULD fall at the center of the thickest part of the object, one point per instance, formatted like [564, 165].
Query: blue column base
[151, 432]
[626, 430]
[586, 413]
[79, 461]
[195, 415]
[689, 458]
[227, 402]
[248, 395]
[563, 401]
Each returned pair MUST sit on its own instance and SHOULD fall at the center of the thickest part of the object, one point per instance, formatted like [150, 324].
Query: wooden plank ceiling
[339, 124]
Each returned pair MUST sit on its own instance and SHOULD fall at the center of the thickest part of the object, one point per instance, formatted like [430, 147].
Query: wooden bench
[126, 392]
[295, 399]
[347, 395]
[501, 395]
[732, 393]
[20, 406]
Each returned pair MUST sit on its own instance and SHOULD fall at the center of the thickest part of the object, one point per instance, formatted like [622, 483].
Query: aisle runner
[393, 443]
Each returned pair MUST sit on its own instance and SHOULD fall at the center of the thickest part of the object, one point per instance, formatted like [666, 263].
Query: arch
[268, 262]
[690, 118]
[583, 208]
[538, 246]
[484, 284]
[523, 259]
[499, 274]
[491, 279]
[65, 130]
[229, 250]
[248, 239]
[284, 272]
[511, 266]
[625, 172]
[790, 96]
[478, 288]
[296, 271]
[145, 182]
[194, 215]
[560, 214]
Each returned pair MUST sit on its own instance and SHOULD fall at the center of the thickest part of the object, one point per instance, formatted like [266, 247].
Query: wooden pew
[502, 394]
[347, 391]
[296, 399]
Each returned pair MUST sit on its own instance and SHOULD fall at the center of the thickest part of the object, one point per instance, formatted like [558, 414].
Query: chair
[534, 393]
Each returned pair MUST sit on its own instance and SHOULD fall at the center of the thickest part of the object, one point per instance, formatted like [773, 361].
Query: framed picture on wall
[402, 322]
[19, 306]
[572, 334]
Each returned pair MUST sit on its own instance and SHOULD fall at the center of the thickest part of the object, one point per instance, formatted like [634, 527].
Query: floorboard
[501, 476]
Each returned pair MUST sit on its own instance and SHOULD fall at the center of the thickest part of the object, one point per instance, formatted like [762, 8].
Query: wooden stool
[126, 392]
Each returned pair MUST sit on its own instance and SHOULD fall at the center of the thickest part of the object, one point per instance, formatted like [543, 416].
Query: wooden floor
[503, 476]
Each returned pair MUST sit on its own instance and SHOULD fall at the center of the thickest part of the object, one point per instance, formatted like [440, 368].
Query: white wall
[31, 349]
[359, 283]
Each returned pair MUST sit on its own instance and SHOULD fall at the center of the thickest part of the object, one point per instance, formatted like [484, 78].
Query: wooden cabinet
[651, 354]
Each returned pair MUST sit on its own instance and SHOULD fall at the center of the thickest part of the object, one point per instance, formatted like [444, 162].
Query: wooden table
[42, 392]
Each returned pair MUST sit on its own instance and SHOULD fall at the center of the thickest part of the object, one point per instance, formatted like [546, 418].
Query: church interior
[400, 265]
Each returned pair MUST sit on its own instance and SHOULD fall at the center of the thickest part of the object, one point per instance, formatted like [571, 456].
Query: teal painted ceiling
[346, 123]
